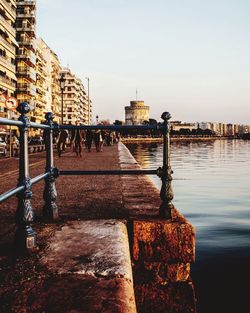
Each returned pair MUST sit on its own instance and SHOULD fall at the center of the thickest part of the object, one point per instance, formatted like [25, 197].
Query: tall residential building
[43, 80]
[75, 101]
[82, 104]
[70, 100]
[178, 125]
[8, 47]
[55, 86]
[26, 58]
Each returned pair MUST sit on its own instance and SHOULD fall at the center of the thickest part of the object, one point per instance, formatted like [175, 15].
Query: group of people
[78, 137]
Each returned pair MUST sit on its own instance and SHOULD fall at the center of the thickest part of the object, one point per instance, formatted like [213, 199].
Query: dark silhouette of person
[89, 139]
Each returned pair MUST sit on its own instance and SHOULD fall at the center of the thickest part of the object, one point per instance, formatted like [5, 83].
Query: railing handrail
[24, 215]
[5, 121]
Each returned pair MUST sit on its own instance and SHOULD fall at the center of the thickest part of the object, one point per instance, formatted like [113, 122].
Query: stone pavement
[62, 275]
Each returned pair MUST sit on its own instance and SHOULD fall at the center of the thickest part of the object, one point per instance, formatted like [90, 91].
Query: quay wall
[161, 250]
[172, 139]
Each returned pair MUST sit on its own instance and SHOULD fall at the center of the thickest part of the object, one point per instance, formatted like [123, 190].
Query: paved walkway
[79, 198]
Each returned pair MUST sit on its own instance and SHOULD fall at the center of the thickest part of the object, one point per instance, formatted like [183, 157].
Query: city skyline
[190, 59]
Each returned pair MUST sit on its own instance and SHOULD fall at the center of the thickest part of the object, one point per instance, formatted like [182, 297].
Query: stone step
[89, 269]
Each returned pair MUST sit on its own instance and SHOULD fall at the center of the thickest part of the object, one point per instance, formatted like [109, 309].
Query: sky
[188, 57]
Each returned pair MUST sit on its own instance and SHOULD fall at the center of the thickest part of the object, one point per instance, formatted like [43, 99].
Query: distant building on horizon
[136, 113]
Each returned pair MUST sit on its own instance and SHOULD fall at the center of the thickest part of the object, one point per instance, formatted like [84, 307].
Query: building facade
[178, 125]
[8, 47]
[82, 103]
[55, 86]
[137, 113]
[26, 53]
[75, 100]
[43, 80]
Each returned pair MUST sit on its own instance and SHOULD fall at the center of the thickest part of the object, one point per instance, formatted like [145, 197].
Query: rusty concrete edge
[126, 291]
[125, 159]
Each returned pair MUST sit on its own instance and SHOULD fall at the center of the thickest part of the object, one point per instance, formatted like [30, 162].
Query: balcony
[26, 42]
[7, 81]
[9, 28]
[26, 28]
[7, 64]
[8, 7]
[28, 72]
[5, 42]
[27, 3]
[26, 14]
[27, 55]
[26, 88]
[41, 99]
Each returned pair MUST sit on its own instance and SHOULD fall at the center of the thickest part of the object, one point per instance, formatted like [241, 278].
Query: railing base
[25, 239]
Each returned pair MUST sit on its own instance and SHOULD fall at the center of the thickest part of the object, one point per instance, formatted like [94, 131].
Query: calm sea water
[212, 189]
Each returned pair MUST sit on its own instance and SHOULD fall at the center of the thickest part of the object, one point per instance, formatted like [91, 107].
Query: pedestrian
[63, 135]
[77, 142]
[14, 145]
[98, 140]
[89, 138]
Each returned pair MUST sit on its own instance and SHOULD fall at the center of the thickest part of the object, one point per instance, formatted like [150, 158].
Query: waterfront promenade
[84, 202]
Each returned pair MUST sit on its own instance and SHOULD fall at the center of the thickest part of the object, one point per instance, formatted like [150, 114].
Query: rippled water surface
[212, 189]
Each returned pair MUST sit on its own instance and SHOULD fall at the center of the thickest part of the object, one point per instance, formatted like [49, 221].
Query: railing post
[50, 210]
[166, 172]
[25, 236]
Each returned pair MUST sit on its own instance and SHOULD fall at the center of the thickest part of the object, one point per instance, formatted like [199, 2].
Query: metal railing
[25, 236]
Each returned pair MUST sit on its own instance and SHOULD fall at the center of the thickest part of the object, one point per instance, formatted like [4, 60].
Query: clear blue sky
[188, 57]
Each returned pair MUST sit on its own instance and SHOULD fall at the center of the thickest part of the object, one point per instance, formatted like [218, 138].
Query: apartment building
[75, 100]
[82, 103]
[26, 57]
[70, 97]
[43, 80]
[8, 47]
[177, 125]
[55, 86]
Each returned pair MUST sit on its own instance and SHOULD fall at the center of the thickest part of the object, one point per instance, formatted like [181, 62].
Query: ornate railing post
[166, 171]
[25, 236]
[50, 209]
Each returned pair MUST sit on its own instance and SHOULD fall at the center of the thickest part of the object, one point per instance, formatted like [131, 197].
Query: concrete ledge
[163, 241]
[169, 298]
[90, 262]
[162, 250]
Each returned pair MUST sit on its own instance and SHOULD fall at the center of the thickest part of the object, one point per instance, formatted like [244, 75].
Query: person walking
[89, 139]
[63, 135]
[77, 142]
[98, 140]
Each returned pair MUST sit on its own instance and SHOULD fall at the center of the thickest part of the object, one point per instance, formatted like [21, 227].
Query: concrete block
[169, 298]
[89, 262]
[163, 241]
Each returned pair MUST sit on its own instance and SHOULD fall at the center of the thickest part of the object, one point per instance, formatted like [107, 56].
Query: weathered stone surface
[90, 259]
[169, 298]
[95, 247]
[162, 273]
[161, 250]
[83, 294]
[163, 241]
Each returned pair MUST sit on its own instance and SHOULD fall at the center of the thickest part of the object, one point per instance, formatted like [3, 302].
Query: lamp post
[62, 80]
[88, 102]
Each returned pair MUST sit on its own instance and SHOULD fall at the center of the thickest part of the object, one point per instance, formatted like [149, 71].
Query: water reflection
[211, 187]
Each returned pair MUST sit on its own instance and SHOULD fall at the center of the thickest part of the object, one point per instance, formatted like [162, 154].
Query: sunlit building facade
[26, 53]
[55, 86]
[8, 47]
[43, 80]
[75, 100]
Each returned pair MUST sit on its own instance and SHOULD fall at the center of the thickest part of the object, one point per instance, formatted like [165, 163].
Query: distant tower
[136, 113]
